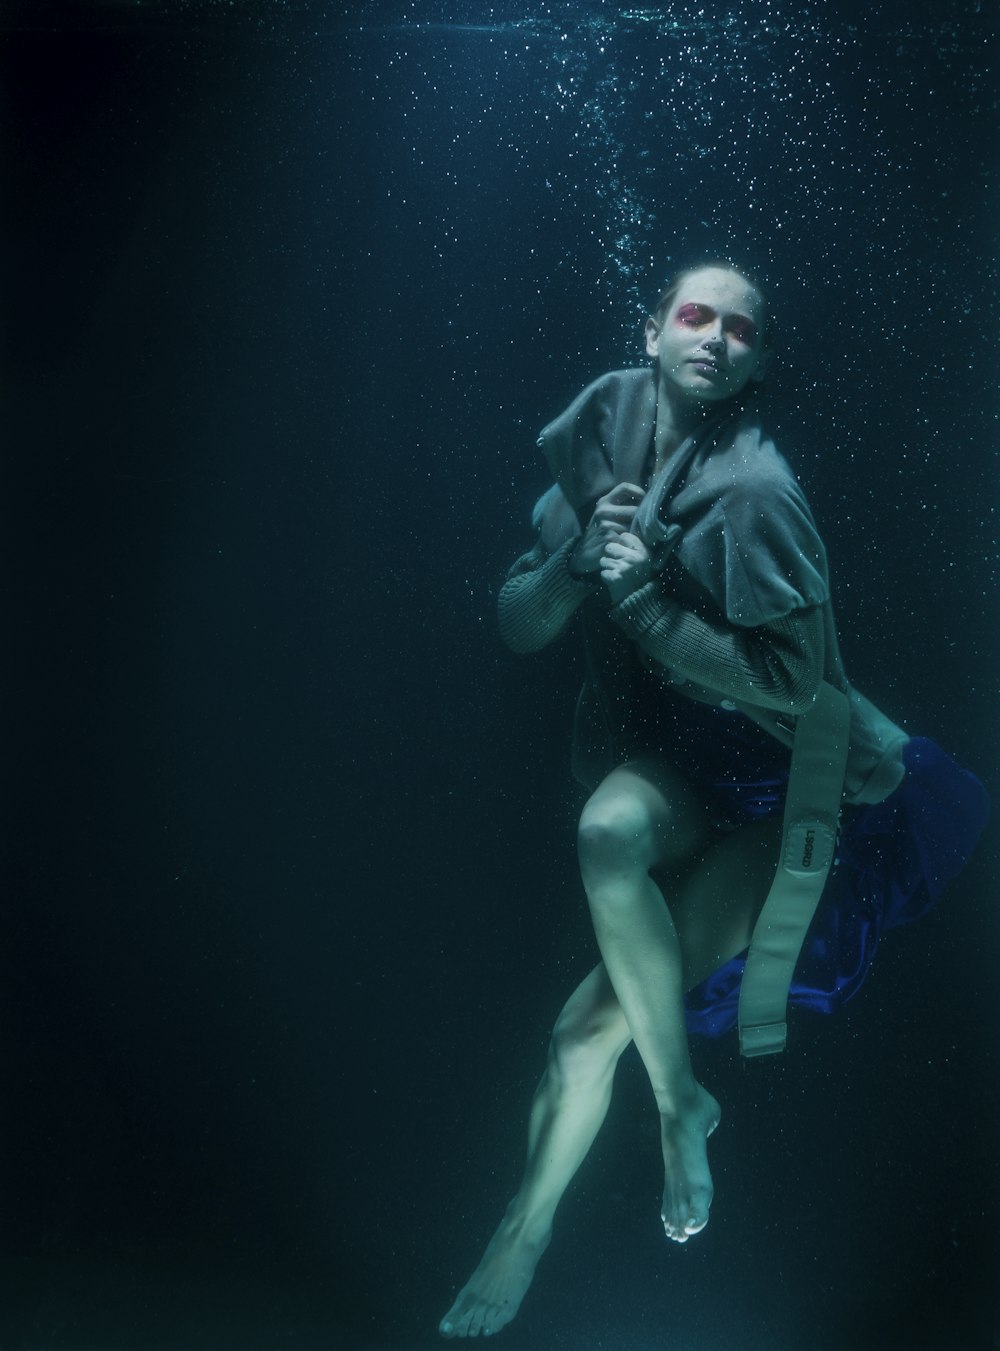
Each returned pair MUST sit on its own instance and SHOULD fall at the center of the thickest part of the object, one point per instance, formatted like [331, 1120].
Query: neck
[675, 421]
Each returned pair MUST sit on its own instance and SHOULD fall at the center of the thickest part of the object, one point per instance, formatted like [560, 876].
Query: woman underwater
[683, 540]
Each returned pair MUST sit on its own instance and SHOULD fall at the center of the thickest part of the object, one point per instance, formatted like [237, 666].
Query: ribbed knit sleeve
[777, 665]
[539, 598]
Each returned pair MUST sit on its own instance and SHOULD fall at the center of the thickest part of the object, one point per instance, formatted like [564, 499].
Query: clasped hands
[608, 545]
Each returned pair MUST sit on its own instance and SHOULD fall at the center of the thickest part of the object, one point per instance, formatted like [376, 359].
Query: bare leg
[567, 1112]
[715, 903]
[642, 816]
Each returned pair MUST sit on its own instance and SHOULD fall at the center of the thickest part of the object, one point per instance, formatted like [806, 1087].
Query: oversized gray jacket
[741, 616]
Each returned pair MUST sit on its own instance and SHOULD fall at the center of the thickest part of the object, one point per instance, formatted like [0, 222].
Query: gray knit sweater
[742, 615]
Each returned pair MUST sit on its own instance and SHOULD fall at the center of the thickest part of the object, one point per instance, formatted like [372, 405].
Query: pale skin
[670, 899]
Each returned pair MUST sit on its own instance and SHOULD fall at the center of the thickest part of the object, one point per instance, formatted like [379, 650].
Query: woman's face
[710, 344]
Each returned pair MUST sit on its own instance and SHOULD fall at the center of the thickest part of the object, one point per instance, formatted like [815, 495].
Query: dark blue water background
[289, 876]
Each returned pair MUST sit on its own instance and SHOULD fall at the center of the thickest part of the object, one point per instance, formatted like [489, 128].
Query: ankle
[679, 1100]
[523, 1226]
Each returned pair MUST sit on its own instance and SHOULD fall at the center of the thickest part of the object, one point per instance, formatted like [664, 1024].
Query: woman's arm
[776, 665]
[543, 591]
[540, 597]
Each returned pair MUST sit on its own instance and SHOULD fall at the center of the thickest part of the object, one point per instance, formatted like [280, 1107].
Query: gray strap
[809, 838]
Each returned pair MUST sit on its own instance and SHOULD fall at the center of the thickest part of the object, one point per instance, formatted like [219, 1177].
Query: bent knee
[615, 835]
[584, 1051]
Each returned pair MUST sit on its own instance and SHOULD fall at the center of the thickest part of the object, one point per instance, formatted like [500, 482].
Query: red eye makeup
[738, 326]
[742, 329]
[694, 316]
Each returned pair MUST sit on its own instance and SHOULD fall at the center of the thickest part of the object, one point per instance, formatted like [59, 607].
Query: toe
[495, 1319]
[456, 1323]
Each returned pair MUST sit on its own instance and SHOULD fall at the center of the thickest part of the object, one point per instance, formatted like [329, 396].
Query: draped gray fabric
[748, 536]
[749, 541]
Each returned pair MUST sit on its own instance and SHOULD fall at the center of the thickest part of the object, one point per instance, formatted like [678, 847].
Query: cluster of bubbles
[759, 136]
[745, 130]
[830, 149]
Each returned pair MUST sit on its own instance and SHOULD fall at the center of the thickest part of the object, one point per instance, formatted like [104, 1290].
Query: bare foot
[687, 1187]
[495, 1289]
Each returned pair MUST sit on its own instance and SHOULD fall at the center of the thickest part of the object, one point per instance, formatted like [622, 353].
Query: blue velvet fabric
[892, 862]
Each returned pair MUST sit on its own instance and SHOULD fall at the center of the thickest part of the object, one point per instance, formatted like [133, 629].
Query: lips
[705, 365]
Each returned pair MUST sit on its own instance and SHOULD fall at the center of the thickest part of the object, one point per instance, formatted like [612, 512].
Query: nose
[715, 341]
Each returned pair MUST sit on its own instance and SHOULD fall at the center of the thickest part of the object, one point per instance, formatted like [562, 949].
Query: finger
[620, 516]
[629, 548]
[626, 510]
[624, 498]
[623, 494]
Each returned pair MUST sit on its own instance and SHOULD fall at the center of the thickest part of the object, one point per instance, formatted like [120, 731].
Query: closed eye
[694, 316]
[737, 326]
[742, 329]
